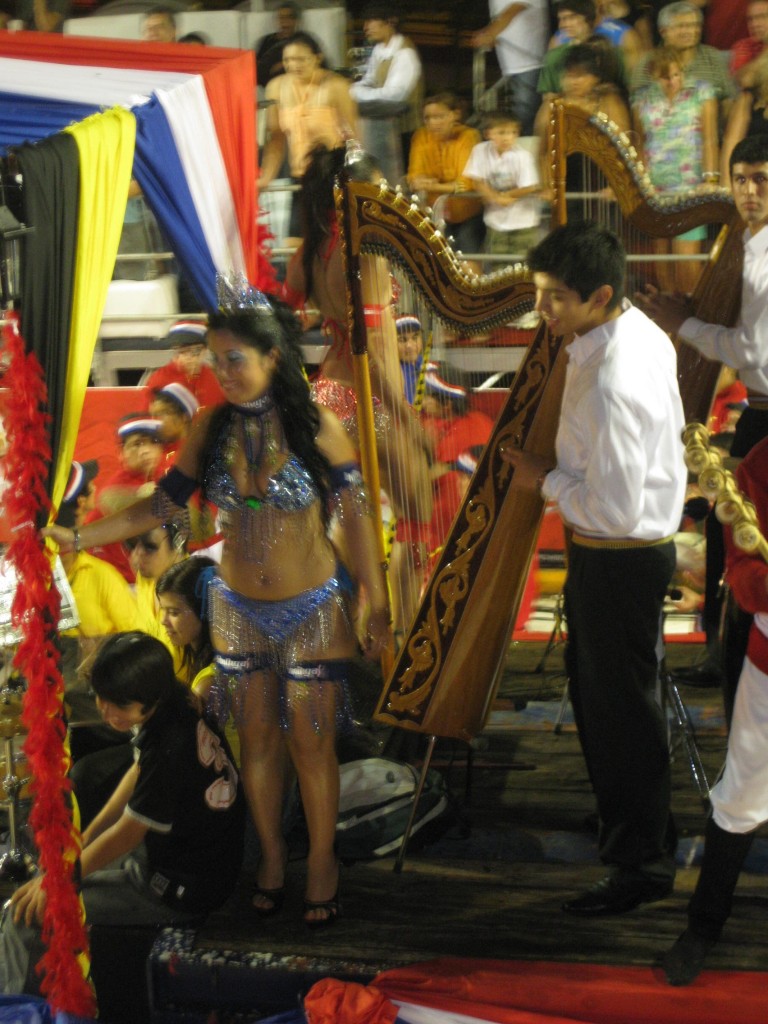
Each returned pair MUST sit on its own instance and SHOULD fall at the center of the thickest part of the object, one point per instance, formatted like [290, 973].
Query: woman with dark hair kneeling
[174, 824]
[276, 465]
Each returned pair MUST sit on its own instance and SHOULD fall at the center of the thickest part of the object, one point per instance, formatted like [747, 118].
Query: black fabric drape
[51, 185]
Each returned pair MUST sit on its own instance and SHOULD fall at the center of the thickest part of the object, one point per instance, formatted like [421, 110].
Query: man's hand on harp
[530, 470]
[669, 310]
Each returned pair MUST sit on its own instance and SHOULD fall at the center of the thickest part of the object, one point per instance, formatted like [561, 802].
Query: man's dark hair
[751, 150]
[166, 12]
[495, 118]
[377, 11]
[584, 256]
[584, 56]
[586, 8]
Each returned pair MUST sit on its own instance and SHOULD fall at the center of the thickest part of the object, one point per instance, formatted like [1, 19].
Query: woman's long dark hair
[186, 580]
[318, 207]
[264, 331]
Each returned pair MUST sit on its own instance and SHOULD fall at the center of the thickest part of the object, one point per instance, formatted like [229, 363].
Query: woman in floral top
[676, 123]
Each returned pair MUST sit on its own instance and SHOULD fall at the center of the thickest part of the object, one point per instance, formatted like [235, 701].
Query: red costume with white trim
[740, 798]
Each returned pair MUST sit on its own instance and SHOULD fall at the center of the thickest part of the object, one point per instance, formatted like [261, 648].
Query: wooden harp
[483, 565]
[638, 214]
[447, 670]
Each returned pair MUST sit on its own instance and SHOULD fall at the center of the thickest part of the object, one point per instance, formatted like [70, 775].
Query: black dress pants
[613, 603]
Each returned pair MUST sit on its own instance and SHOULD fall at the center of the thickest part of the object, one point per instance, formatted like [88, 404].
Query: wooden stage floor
[493, 886]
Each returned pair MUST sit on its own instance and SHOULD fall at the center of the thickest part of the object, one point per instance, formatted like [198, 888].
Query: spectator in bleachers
[310, 106]
[410, 348]
[194, 38]
[42, 15]
[269, 49]
[587, 80]
[617, 31]
[138, 435]
[151, 554]
[725, 21]
[105, 605]
[680, 27]
[141, 463]
[175, 406]
[140, 235]
[749, 113]
[518, 31]
[676, 123]
[505, 175]
[104, 600]
[745, 51]
[189, 365]
[158, 25]
[439, 153]
[638, 13]
[577, 21]
[389, 95]
[456, 433]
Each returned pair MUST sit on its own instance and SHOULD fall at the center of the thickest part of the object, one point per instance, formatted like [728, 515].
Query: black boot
[710, 905]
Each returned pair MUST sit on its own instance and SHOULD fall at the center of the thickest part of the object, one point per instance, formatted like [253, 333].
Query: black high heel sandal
[275, 896]
[332, 908]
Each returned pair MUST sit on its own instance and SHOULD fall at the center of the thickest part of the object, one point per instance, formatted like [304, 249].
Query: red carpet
[519, 992]
[670, 638]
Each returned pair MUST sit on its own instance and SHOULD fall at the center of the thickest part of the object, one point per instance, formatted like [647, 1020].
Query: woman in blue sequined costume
[282, 616]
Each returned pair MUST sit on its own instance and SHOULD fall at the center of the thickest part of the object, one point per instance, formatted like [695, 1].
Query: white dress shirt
[745, 346]
[402, 77]
[620, 470]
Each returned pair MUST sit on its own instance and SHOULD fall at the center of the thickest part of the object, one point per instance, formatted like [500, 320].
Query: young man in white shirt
[619, 484]
[389, 95]
[744, 348]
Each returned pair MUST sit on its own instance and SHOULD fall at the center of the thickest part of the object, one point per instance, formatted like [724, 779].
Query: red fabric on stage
[331, 1001]
[539, 992]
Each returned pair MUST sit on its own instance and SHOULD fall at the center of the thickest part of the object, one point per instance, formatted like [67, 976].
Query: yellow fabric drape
[105, 143]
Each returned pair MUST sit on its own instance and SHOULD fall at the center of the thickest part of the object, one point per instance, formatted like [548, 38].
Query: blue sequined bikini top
[291, 489]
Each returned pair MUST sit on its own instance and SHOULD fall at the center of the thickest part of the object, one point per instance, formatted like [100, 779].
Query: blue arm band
[178, 486]
[345, 476]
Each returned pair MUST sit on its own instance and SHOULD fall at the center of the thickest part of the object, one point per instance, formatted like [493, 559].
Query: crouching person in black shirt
[167, 846]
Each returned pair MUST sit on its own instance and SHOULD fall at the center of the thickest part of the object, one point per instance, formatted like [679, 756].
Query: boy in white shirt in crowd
[504, 173]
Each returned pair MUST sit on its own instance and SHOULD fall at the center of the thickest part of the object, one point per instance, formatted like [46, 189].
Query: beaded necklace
[260, 444]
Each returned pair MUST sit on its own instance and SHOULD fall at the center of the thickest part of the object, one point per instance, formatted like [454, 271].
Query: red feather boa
[35, 612]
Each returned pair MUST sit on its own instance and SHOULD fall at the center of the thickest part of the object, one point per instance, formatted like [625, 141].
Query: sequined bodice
[291, 489]
[262, 530]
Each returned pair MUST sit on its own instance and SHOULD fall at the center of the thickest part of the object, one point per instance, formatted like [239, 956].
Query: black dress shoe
[705, 674]
[683, 962]
[617, 894]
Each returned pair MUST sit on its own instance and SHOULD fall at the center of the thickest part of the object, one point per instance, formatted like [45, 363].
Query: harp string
[668, 263]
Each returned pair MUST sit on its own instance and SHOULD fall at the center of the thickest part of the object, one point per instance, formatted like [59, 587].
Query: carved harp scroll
[444, 676]
[643, 212]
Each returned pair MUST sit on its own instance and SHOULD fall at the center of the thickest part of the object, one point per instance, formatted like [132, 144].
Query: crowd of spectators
[685, 81]
[617, 57]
